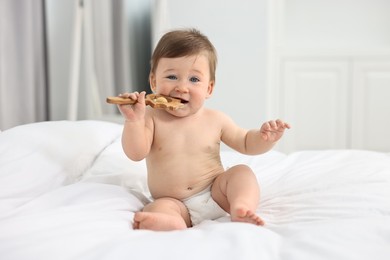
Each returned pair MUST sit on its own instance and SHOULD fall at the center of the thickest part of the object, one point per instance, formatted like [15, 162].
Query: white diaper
[202, 206]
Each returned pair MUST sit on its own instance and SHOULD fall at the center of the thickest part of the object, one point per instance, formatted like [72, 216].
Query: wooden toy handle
[120, 100]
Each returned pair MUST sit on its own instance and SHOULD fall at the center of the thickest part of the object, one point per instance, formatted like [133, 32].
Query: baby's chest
[188, 137]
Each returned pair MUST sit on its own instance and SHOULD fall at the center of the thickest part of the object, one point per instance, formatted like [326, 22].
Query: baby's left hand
[272, 131]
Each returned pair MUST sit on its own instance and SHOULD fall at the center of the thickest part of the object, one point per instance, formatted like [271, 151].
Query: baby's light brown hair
[181, 43]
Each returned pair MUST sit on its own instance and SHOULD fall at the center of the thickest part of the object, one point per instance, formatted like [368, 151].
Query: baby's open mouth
[183, 101]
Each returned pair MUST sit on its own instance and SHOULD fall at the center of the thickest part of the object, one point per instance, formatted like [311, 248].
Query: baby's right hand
[136, 111]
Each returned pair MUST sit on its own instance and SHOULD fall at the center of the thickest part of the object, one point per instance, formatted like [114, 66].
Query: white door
[370, 128]
[315, 102]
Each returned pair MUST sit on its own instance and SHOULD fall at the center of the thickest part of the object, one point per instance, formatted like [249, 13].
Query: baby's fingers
[133, 95]
[136, 96]
[141, 97]
[266, 126]
[281, 124]
[271, 125]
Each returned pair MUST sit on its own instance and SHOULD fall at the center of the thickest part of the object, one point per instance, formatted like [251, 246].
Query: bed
[67, 191]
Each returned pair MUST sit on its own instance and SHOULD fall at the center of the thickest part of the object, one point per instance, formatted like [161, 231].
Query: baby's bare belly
[181, 180]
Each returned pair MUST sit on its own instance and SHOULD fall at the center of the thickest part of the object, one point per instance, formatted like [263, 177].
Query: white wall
[347, 25]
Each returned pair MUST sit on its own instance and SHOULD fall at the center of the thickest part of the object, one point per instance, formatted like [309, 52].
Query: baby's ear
[152, 82]
[210, 89]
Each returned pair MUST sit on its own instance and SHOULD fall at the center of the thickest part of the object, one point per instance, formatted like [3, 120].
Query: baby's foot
[158, 221]
[244, 215]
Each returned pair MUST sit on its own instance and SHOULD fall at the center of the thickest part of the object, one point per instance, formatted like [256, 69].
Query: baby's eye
[172, 77]
[194, 79]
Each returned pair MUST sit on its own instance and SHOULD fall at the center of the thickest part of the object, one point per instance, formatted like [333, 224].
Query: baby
[182, 147]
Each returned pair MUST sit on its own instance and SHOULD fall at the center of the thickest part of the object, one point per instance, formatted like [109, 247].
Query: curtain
[23, 90]
[89, 57]
[54, 66]
[104, 68]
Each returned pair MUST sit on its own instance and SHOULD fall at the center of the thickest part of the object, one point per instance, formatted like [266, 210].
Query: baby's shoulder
[215, 114]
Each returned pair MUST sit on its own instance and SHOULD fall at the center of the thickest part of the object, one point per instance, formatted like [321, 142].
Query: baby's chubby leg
[238, 193]
[163, 214]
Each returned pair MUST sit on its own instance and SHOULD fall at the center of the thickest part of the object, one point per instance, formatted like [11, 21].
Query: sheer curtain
[23, 90]
[103, 62]
[104, 53]
[89, 57]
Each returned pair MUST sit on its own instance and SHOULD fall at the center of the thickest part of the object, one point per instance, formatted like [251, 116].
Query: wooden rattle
[154, 100]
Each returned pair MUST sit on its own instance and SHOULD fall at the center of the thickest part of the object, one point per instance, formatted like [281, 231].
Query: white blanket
[67, 191]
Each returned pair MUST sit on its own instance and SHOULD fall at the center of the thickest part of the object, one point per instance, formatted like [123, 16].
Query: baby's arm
[255, 141]
[261, 141]
[138, 130]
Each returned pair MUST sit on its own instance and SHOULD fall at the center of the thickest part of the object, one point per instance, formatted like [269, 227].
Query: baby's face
[186, 78]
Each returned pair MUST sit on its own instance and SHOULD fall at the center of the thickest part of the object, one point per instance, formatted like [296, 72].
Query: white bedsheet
[68, 192]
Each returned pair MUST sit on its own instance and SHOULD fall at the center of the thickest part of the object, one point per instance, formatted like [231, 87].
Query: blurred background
[321, 65]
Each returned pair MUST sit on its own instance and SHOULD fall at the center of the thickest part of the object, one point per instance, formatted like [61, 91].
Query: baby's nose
[181, 88]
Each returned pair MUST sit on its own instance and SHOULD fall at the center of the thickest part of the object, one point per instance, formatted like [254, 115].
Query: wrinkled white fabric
[68, 192]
